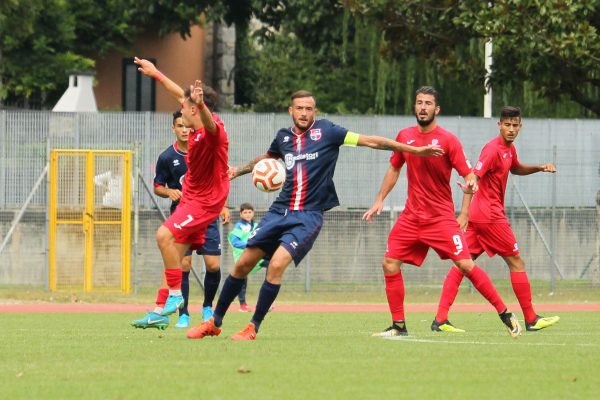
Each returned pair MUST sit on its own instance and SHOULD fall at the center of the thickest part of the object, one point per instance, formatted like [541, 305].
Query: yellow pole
[126, 225]
[52, 204]
[88, 222]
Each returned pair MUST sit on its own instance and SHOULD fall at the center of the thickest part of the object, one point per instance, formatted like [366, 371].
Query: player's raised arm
[234, 172]
[148, 68]
[389, 181]
[524, 169]
[197, 97]
[382, 143]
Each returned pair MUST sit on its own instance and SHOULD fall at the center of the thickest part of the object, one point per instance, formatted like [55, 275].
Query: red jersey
[492, 168]
[429, 192]
[206, 183]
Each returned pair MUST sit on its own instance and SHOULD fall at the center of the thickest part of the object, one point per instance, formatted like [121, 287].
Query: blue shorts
[296, 231]
[212, 243]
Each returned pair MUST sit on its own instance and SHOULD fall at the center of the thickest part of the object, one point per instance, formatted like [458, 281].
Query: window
[138, 89]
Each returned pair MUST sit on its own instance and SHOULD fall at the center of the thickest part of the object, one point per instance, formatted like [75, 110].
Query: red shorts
[495, 238]
[188, 224]
[410, 240]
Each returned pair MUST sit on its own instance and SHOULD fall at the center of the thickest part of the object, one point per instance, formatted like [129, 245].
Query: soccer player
[488, 229]
[310, 150]
[205, 188]
[170, 171]
[428, 218]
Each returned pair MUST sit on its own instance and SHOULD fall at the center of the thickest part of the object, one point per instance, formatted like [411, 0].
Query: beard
[424, 122]
[299, 124]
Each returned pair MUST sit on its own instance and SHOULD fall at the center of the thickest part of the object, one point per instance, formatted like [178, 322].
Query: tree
[552, 44]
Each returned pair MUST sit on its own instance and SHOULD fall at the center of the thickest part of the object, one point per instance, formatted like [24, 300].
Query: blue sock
[242, 294]
[266, 297]
[231, 288]
[185, 292]
[211, 285]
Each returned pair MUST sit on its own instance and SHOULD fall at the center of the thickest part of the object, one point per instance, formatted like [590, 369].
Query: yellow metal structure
[90, 220]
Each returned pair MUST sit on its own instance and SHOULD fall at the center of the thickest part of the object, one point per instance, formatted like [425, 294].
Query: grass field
[297, 356]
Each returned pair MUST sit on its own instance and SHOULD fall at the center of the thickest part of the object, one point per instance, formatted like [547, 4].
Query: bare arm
[382, 143]
[147, 68]
[468, 188]
[165, 192]
[197, 97]
[389, 181]
[234, 172]
[524, 169]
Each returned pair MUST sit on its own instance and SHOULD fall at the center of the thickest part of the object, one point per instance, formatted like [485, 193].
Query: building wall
[181, 60]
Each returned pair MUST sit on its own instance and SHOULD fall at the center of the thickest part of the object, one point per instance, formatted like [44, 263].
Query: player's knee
[390, 266]
[465, 266]
[164, 237]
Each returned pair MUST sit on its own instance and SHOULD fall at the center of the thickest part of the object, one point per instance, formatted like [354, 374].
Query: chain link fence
[555, 217]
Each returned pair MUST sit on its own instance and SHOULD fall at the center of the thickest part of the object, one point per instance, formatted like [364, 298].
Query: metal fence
[551, 214]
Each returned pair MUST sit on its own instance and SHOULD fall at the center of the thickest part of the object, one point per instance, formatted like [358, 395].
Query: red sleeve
[397, 159]
[457, 156]
[486, 161]
[220, 135]
[515, 160]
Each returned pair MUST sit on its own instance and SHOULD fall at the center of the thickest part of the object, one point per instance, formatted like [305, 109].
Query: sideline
[30, 308]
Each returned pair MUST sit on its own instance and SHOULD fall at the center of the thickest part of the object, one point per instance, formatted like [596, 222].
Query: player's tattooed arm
[234, 172]
[382, 143]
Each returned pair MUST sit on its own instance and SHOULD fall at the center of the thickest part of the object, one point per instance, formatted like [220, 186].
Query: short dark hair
[509, 112]
[246, 206]
[300, 94]
[176, 114]
[211, 97]
[431, 91]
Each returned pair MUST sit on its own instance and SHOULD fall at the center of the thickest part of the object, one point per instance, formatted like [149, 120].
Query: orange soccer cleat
[248, 333]
[206, 328]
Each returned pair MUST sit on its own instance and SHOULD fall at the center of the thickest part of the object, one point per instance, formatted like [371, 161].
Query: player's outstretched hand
[233, 172]
[429, 150]
[549, 168]
[196, 92]
[146, 67]
[374, 210]
[225, 215]
[469, 187]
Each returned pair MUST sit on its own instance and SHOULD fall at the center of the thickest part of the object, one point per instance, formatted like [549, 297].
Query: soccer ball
[268, 175]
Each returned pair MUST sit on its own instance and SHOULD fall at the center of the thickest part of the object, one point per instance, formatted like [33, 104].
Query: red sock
[173, 276]
[522, 289]
[484, 285]
[161, 297]
[394, 289]
[449, 292]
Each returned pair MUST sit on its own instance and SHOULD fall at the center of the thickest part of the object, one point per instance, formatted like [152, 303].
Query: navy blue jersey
[310, 159]
[170, 169]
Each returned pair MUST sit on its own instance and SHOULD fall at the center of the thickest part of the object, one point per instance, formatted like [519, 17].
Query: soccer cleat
[206, 328]
[207, 313]
[244, 307]
[541, 323]
[151, 320]
[445, 326]
[511, 322]
[398, 328]
[183, 322]
[173, 304]
[248, 333]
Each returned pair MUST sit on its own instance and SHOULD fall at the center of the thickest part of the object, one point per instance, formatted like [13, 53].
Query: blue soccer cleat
[183, 322]
[207, 313]
[151, 320]
[173, 304]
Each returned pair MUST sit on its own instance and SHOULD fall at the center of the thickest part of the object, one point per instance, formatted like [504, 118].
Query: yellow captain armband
[351, 139]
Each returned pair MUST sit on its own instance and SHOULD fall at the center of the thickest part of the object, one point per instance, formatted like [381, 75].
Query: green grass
[297, 356]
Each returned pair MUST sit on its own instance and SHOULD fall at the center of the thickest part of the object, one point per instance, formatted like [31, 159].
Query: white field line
[509, 343]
